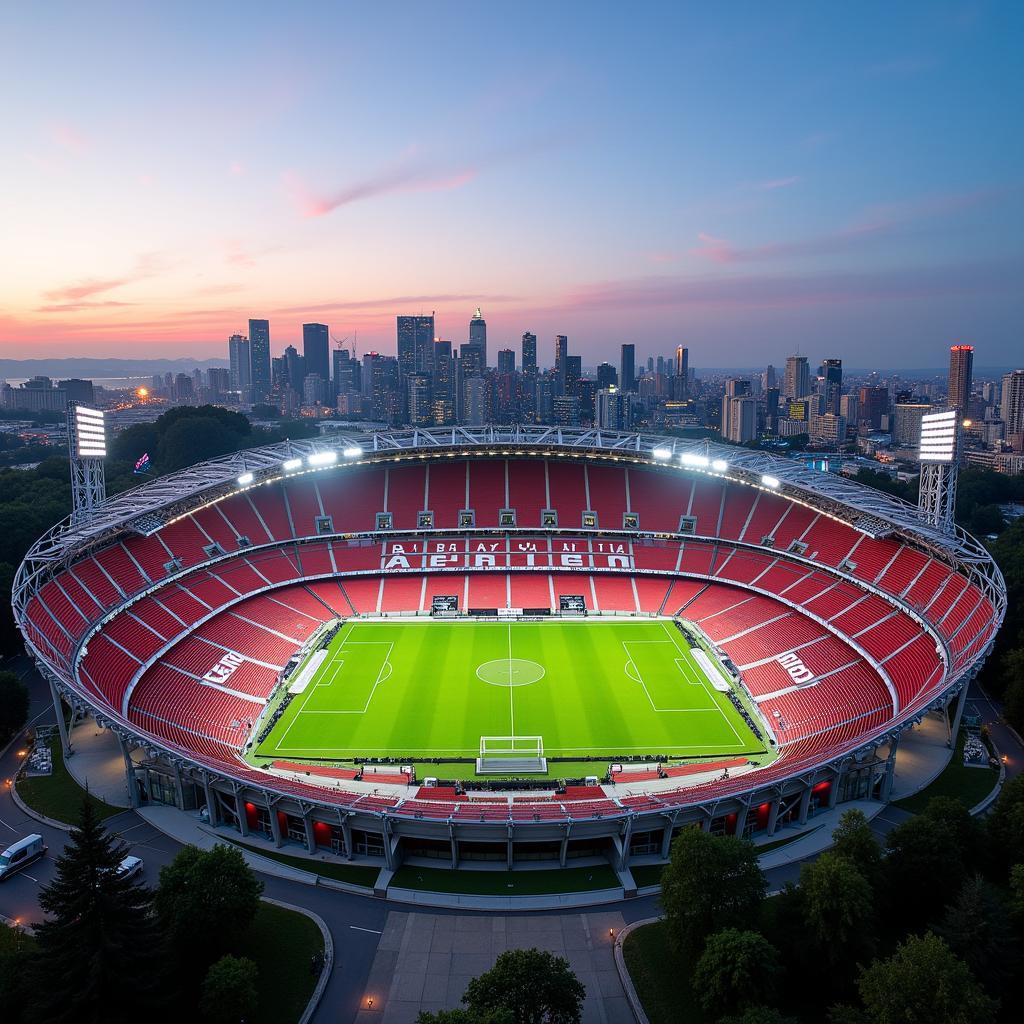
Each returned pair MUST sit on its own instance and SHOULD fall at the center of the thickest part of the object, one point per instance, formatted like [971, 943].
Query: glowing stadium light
[290, 465]
[770, 481]
[938, 437]
[662, 453]
[90, 440]
[719, 465]
[697, 461]
[352, 453]
[245, 479]
[321, 458]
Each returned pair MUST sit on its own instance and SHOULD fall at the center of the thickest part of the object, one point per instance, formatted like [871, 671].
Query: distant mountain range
[92, 369]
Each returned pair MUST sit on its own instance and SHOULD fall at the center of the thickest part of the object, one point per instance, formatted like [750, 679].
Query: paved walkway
[97, 763]
[425, 961]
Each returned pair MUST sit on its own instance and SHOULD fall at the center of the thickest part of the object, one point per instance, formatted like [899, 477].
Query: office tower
[343, 367]
[506, 360]
[606, 376]
[961, 365]
[218, 379]
[561, 351]
[295, 368]
[474, 401]
[259, 358]
[614, 409]
[797, 383]
[627, 368]
[659, 366]
[240, 365]
[681, 381]
[314, 390]
[1011, 408]
[833, 373]
[873, 403]
[739, 417]
[566, 411]
[771, 406]
[769, 377]
[316, 350]
[478, 333]
[827, 428]
[415, 344]
[418, 400]
[573, 373]
[906, 431]
[529, 353]
[849, 408]
[472, 355]
[544, 397]
[737, 387]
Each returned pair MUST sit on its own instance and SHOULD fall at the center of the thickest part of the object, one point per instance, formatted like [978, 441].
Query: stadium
[507, 646]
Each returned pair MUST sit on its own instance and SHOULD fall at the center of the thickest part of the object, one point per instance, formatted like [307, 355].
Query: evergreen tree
[98, 949]
[855, 842]
[737, 970]
[838, 908]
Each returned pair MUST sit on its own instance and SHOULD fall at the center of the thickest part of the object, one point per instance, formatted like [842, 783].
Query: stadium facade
[169, 615]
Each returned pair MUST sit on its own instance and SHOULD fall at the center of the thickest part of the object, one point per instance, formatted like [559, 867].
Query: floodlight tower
[940, 435]
[87, 448]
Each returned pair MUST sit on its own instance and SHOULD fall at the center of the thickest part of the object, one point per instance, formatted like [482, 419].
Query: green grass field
[431, 689]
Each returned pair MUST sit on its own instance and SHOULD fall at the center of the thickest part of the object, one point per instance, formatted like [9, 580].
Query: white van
[20, 854]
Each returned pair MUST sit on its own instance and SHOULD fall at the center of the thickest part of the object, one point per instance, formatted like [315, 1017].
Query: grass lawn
[355, 874]
[281, 942]
[506, 883]
[58, 795]
[661, 978]
[969, 785]
[432, 689]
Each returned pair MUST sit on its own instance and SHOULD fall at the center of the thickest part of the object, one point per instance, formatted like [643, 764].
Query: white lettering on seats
[797, 670]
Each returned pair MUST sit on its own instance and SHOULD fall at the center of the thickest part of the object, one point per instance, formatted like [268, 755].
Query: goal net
[511, 754]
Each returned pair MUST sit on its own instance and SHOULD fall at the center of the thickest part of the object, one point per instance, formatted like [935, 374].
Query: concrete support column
[666, 840]
[454, 846]
[212, 803]
[243, 821]
[833, 793]
[627, 836]
[307, 821]
[346, 835]
[960, 702]
[58, 707]
[275, 824]
[508, 846]
[805, 804]
[390, 860]
[741, 820]
[179, 785]
[129, 772]
[890, 770]
[564, 847]
[773, 815]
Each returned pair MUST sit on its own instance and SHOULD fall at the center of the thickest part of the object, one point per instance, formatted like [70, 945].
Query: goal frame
[505, 754]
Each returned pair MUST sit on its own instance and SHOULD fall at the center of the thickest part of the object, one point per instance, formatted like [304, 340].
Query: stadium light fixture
[662, 453]
[695, 460]
[938, 437]
[352, 452]
[322, 458]
[719, 465]
[90, 438]
[290, 465]
[770, 481]
[245, 479]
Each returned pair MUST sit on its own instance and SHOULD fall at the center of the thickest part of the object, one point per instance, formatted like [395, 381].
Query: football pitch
[432, 689]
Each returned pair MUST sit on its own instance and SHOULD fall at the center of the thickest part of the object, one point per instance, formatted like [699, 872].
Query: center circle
[510, 672]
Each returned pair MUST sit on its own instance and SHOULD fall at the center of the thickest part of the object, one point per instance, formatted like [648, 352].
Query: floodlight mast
[938, 454]
[87, 448]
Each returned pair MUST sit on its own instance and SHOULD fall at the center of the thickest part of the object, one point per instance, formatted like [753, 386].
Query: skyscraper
[561, 352]
[1011, 408]
[315, 350]
[606, 376]
[478, 333]
[529, 359]
[627, 368]
[681, 382]
[259, 358]
[506, 360]
[961, 365]
[240, 366]
[833, 385]
[797, 383]
[739, 417]
[415, 344]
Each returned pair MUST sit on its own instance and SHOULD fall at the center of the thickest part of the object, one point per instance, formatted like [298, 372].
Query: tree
[977, 928]
[99, 947]
[1017, 892]
[736, 970]
[535, 986]
[838, 908]
[923, 981]
[17, 950]
[1005, 827]
[710, 883]
[229, 991]
[206, 901]
[759, 1015]
[13, 704]
[460, 1015]
[855, 842]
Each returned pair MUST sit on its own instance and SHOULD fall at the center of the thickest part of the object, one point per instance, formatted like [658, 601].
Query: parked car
[130, 867]
[20, 854]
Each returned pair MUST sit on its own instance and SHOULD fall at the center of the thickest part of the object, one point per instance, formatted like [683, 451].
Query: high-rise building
[833, 372]
[474, 402]
[418, 397]
[606, 376]
[295, 368]
[627, 368]
[873, 404]
[561, 353]
[506, 360]
[681, 380]
[1011, 408]
[259, 358]
[478, 333]
[573, 374]
[797, 382]
[443, 384]
[314, 390]
[415, 344]
[827, 428]
[906, 431]
[240, 364]
[529, 357]
[614, 408]
[472, 355]
[316, 350]
[739, 416]
[961, 366]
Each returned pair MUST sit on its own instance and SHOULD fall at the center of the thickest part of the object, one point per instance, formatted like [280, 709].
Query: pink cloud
[69, 137]
[69, 297]
[718, 250]
[777, 183]
[236, 168]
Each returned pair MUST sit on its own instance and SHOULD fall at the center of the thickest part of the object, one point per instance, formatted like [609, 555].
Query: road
[354, 921]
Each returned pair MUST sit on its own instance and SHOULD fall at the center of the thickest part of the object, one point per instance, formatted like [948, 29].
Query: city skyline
[733, 182]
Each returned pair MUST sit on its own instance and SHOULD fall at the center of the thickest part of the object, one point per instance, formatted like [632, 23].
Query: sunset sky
[747, 179]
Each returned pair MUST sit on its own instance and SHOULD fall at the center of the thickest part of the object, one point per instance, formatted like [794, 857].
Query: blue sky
[747, 179]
